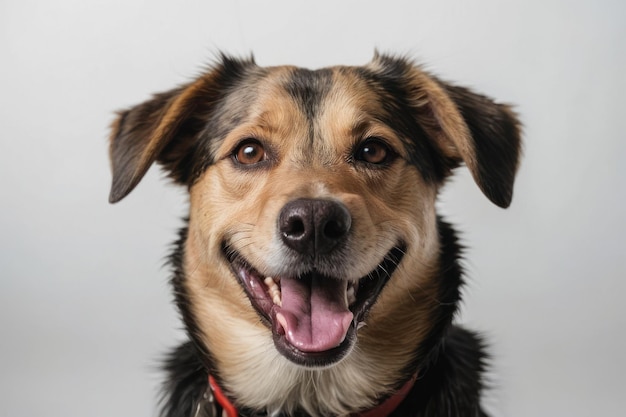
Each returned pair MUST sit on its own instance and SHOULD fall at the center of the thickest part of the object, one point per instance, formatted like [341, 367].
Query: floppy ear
[166, 128]
[471, 128]
[139, 135]
[492, 152]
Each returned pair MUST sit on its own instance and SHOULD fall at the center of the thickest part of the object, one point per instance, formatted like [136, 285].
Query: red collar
[221, 399]
[390, 404]
[382, 410]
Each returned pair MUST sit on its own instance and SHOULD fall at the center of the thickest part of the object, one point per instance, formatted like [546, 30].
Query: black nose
[312, 226]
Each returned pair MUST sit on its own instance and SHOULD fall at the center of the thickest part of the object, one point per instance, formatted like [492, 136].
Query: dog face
[312, 248]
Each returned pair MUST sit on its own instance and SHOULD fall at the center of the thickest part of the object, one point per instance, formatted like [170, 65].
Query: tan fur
[311, 144]
[244, 206]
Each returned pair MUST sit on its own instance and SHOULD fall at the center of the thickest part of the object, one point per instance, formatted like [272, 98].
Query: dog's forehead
[315, 92]
[323, 107]
[308, 89]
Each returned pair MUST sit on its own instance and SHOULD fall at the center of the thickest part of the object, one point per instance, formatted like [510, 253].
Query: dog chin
[313, 317]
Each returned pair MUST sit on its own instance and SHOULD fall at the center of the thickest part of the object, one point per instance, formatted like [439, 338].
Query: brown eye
[374, 151]
[249, 152]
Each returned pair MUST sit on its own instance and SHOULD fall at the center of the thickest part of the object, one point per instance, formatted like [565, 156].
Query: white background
[85, 309]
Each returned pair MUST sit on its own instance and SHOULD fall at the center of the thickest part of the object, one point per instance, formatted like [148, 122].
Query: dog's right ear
[165, 128]
[139, 134]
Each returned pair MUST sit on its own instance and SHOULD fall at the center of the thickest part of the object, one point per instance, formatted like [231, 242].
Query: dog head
[312, 251]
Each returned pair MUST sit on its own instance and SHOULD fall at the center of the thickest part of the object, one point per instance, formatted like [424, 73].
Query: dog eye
[249, 152]
[374, 151]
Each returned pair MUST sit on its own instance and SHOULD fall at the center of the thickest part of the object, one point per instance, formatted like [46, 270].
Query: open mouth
[313, 317]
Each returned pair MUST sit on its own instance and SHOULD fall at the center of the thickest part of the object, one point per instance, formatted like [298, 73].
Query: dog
[314, 275]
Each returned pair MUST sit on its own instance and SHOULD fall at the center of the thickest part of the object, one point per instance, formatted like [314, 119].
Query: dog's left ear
[470, 128]
[492, 151]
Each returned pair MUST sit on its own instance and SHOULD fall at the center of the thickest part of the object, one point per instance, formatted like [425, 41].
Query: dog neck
[384, 409]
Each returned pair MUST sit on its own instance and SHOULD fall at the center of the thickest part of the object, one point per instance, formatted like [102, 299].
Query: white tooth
[282, 321]
[360, 325]
[276, 299]
[350, 295]
[274, 290]
[269, 282]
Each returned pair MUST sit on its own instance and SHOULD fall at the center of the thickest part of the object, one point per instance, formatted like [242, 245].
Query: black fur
[188, 380]
[180, 129]
[308, 89]
[184, 149]
[496, 138]
[452, 383]
[393, 91]
[451, 360]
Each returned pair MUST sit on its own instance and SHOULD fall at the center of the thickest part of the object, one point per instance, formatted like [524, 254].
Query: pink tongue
[314, 314]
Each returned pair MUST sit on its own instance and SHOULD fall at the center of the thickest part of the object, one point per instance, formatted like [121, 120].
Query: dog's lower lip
[265, 303]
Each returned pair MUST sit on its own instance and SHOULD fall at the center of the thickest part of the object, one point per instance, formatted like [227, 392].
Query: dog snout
[314, 226]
